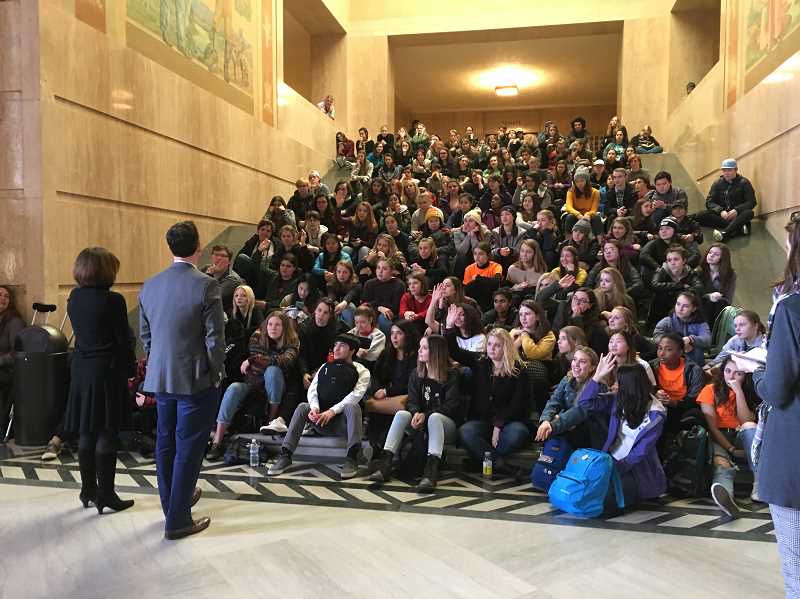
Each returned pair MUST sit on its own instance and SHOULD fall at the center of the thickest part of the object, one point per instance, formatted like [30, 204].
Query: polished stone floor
[308, 534]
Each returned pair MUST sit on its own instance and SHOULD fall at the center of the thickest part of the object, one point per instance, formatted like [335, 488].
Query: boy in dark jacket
[729, 205]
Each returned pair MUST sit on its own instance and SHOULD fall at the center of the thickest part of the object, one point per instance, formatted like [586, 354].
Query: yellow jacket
[583, 206]
[538, 351]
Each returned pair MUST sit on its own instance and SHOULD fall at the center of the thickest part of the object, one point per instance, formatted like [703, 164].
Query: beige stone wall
[297, 57]
[21, 255]
[128, 147]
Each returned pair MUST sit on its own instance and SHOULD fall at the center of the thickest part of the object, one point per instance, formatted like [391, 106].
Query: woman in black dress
[102, 361]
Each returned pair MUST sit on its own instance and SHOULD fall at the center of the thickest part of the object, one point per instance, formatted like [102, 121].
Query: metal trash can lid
[45, 339]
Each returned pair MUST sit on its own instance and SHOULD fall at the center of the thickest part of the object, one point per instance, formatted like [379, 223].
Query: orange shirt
[726, 413]
[490, 270]
[672, 381]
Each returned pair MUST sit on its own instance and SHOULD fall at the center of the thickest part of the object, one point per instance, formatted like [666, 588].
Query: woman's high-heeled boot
[106, 496]
[88, 471]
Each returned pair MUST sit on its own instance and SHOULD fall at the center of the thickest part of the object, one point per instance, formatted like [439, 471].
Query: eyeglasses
[578, 300]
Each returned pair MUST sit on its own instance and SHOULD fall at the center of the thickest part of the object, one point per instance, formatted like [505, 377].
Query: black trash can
[41, 383]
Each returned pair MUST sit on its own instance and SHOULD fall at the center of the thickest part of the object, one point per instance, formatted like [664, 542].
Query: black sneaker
[215, 453]
[724, 501]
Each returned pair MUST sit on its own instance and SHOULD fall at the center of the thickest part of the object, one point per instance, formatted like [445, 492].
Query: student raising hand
[606, 366]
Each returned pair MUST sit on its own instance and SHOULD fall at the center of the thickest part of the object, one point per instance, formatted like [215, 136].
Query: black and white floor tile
[458, 494]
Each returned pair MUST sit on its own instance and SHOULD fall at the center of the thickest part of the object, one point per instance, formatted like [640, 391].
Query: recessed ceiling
[557, 66]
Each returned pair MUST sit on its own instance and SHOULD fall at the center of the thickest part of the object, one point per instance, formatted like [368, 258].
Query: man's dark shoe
[195, 527]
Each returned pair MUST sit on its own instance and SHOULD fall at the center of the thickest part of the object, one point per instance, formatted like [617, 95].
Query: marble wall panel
[644, 74]
[11, 63]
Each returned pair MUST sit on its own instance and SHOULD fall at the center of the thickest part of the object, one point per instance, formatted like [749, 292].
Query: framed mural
[761, 36]
[212, 43]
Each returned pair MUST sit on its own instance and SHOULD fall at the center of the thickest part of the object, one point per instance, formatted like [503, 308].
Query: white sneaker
[275, 426]
[717, 235]
[754, 494]
[745, 230]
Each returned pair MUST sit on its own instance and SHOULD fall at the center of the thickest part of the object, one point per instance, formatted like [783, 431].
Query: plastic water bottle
[487, 464]
[254, 453]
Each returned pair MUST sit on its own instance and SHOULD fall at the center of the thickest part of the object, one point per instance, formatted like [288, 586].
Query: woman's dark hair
[264, 223]
[592, 316]
[726, 273]
[472, 320]
[633, 396]
[630, 341]
[329, 261]
[623, 263]
[290, 258]
[388, 358]
[326, 216]
[721, 389]
[697, 315]
[12, 310]
[95, 267]
[183, 239]
[542, 323]
[277, 200]
[313, 292]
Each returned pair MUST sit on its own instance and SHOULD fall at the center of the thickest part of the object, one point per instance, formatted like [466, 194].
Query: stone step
[318, 448]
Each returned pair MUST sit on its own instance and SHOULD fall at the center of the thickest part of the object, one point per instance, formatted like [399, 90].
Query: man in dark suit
[182, 331]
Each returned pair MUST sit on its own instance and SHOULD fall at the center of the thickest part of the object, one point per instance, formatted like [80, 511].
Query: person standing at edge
[778, 384]
[182, 331]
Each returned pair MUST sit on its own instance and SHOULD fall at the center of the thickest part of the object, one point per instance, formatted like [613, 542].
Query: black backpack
[686, 460]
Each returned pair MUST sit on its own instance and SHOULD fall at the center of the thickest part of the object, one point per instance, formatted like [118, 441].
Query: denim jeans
[274, 384]
[441, 430]
[384, 324]
[743, 439]
[475, 437]
[235, 394]
[348, 315]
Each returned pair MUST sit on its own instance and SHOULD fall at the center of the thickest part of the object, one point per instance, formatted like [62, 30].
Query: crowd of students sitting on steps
[490, 293]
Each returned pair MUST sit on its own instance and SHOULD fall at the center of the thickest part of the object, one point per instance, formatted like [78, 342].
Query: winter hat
[508, 208]
[474, 215]
[680, 203]
[581, 173]
[669, 222]
[582, 225]
[433, 212]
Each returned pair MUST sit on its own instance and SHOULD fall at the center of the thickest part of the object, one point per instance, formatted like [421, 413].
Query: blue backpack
[552, 459]
[581, 488]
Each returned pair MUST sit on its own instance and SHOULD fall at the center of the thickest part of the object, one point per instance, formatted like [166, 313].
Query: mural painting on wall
[215, 38]
[771, 35]
[267, 65]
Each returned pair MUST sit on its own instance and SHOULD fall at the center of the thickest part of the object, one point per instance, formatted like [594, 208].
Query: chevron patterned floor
[458, 494]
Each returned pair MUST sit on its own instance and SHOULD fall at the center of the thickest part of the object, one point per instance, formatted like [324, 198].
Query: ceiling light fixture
[506, 90]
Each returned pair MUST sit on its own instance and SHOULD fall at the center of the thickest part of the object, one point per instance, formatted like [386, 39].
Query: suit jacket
[182, 331]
